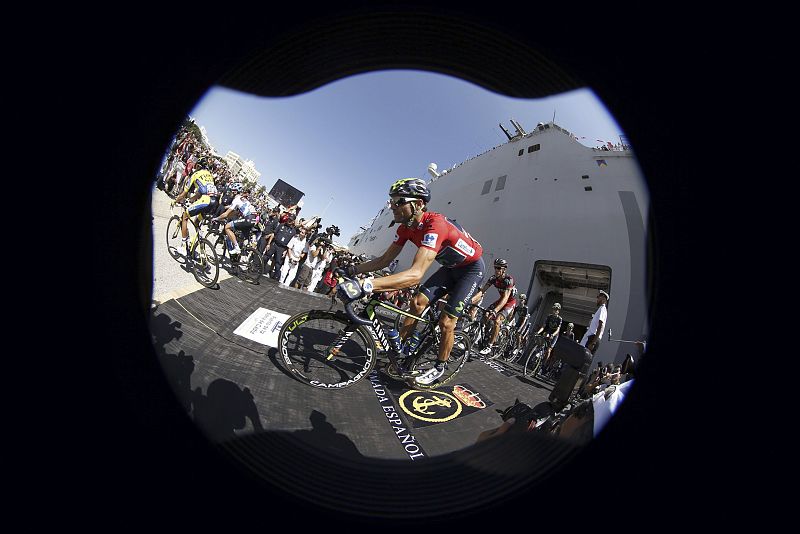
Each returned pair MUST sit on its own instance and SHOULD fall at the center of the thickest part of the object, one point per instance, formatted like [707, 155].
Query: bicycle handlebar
[350, 287]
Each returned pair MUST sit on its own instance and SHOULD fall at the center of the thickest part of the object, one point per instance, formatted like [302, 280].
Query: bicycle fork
[336, 347]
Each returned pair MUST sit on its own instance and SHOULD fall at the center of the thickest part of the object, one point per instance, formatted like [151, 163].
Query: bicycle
[333, 349]
[479, 330]
[199, 252]
[533, 363]
[249, 264]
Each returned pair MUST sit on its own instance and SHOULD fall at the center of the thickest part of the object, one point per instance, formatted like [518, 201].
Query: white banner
[262, 326]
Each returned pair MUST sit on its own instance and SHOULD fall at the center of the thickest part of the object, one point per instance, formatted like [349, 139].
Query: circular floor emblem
[430, 406]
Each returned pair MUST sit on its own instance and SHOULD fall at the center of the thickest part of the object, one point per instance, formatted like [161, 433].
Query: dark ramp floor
[233, 386]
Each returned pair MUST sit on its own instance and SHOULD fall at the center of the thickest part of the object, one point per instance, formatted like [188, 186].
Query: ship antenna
[505, 131]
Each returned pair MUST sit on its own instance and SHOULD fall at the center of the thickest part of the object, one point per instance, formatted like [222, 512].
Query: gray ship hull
[570, 220]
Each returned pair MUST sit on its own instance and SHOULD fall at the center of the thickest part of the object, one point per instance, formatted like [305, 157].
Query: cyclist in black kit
[551, 328]
[521, 320]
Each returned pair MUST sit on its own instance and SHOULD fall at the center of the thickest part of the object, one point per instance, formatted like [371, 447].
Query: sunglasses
[391, 203]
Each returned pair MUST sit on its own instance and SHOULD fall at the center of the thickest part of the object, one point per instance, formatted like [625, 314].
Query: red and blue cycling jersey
[503, 283]
[453, 245]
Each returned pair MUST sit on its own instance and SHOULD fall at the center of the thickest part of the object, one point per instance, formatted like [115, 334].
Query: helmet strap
[413, 219]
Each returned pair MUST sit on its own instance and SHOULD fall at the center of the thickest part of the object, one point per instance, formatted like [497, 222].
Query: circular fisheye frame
[339, 396]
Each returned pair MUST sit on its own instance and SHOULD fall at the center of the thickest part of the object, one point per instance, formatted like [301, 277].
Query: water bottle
[394, 339]
[412, 343]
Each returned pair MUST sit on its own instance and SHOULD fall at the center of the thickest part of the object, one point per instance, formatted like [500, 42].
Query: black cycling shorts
[459, 284]
[243, 225]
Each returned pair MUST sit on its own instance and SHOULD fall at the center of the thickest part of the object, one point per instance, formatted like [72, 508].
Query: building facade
[241, 170]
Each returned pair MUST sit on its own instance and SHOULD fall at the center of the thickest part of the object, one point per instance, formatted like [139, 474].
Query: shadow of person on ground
[164, 330]
[224, 409]
[178, 369]
[323, 436]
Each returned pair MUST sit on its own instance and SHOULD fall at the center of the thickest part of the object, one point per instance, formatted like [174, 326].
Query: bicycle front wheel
[250, 266]
[458, 357]
[326, 350]
[205, 264]
[534, 361]
[175, 245]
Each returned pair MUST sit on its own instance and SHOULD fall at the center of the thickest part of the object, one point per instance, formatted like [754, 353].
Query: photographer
[320, 255]
[296, 248]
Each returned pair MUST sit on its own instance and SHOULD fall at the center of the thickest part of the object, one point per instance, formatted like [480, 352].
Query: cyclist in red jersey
[504, 306]
[438, 239]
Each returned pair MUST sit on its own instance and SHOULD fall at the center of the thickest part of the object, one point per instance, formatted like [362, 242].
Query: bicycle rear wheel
[250, 266]
[501, 343]
[217, 240]
[427, 358]
[325, 349]
[205, 264]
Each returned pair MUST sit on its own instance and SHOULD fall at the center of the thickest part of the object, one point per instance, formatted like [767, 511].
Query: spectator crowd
[297, 252]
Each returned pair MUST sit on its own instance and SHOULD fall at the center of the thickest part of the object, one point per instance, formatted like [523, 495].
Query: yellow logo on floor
[430, 406]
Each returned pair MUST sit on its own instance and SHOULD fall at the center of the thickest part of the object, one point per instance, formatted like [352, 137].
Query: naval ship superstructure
[571, 220]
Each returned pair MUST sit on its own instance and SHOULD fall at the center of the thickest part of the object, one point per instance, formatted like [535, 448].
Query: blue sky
[352, 138]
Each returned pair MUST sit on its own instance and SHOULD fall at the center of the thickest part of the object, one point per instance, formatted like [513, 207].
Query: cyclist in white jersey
[245, 221]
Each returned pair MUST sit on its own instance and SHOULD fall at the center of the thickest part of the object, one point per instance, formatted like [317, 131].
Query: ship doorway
[573, 285]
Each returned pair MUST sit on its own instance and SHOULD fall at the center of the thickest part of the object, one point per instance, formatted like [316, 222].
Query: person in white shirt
[591, 339]
[324, 256]
[295, 249]
[244, 223]
[304, 273]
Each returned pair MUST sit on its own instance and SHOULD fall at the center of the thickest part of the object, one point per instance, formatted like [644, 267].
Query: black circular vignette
[151, 448]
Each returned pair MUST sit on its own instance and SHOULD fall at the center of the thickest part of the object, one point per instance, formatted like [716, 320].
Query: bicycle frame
[372, 323]
[197, 222]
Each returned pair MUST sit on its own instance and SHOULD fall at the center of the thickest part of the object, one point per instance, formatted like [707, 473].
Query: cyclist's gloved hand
[366, 285]
[349, 290]
[350, 270]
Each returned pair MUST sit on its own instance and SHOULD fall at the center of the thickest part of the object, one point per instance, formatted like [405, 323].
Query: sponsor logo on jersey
[429, 240]
[463, 247]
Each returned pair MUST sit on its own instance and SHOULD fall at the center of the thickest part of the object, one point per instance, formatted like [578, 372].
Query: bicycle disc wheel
[458, 357]
[250, 266]
[307, 339]
[205, 264]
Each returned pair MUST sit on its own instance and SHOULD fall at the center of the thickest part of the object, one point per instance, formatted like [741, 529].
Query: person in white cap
[594, 334]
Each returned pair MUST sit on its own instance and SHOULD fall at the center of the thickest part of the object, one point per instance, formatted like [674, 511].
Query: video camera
[333, 230]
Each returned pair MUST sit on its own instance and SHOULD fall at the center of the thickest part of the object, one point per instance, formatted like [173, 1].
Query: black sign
[285, 193]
